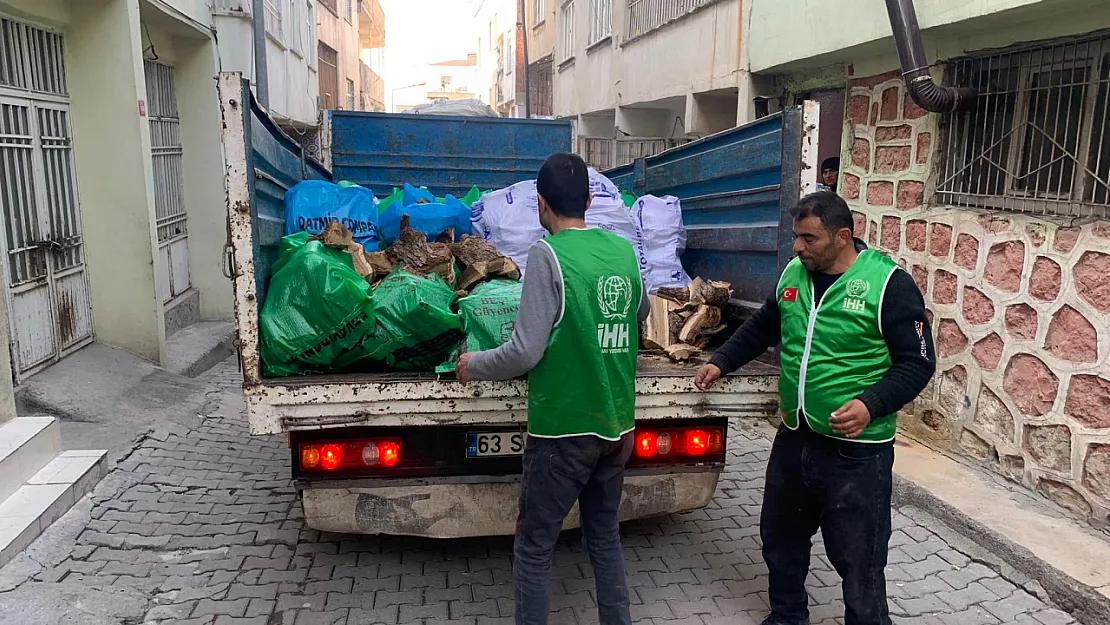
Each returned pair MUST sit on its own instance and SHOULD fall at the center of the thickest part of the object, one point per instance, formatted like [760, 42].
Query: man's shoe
[771, 620]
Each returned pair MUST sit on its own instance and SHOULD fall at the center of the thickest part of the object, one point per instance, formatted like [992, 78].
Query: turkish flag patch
[790, 295]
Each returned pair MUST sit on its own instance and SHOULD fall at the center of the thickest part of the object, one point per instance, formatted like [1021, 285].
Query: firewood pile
[477, 258]
[684, 320]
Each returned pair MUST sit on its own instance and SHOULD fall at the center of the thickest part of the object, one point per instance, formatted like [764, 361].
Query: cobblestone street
[203, 527]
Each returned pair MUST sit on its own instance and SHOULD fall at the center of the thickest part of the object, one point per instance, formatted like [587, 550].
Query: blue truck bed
[736, 187]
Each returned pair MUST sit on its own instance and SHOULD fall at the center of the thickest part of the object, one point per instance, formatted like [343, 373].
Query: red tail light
[697, 442]
[350, 455]
[331, 456]
[680, 442]
[389, 454]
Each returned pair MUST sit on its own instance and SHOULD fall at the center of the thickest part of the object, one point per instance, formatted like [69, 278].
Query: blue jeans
[558, 472]
[842, 488]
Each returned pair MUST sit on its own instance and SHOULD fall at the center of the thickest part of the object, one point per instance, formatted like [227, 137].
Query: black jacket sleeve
[907, 334]
[758, 334]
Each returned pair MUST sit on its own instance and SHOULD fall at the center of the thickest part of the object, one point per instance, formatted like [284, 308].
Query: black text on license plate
[481, 445]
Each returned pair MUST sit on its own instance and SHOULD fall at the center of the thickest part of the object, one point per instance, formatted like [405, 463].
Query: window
[350, 10]
[1039, 139]
[296, 31]
[329, 76]
[351, 95]
[566, 26]
[273, 21]
[601, 20]
[539, 15]
[645, 16]
[444, 83]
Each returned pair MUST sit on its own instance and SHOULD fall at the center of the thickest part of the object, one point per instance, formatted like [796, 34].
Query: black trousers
[842, 488]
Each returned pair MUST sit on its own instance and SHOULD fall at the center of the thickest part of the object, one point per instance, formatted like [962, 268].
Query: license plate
[485, 444]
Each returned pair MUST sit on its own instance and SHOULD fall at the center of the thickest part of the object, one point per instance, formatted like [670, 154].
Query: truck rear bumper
[483, 509]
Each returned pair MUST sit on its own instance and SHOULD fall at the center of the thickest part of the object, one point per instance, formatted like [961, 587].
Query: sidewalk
[200, 525]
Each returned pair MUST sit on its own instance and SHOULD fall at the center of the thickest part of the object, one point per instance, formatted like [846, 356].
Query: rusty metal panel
[31, 317]
[74, 310]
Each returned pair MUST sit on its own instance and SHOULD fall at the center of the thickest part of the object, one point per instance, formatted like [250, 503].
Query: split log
[381, 264]
[335, 235]
[680, 352]
[482, 261]
[358, 256]
[713, 293]
[705, 318]
[420, 257]
[674, 294]
[657, 328]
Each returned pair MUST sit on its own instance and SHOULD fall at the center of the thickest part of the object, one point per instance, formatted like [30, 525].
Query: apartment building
[338, 52]
[500, 56]
[109, 145]
[371, 36]
[640, 76]
[540, 33]
[290, 27]
[1000, 212]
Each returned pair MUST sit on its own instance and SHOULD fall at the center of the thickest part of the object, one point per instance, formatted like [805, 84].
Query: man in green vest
[856, 348]
[577, 336]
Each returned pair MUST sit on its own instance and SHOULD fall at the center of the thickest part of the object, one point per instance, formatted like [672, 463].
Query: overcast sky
[419, 32]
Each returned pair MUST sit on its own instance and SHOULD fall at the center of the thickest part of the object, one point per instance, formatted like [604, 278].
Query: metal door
[169, 180]
[50, 312]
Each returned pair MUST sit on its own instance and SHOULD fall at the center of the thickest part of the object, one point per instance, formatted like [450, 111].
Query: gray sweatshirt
[541, 300]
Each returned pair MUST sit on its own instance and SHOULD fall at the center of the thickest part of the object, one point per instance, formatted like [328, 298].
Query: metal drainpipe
[915, 66]
[261, 75]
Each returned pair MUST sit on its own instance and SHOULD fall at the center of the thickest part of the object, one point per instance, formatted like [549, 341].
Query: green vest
[586, 381]
[833, 350]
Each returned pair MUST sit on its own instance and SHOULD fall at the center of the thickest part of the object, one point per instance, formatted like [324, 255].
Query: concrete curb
[1085, 603]
[199, 347]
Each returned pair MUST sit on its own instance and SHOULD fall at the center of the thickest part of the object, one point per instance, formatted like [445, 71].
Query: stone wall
[1020, 309]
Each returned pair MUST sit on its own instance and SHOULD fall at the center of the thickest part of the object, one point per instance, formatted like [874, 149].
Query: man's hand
[462, 369]
[707, 376]
[851, 419]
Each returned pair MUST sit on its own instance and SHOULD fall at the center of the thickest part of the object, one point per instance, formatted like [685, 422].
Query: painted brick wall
[1020, 308]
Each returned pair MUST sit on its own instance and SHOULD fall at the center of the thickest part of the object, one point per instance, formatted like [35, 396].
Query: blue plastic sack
[312, 204]
[431, 219]
[413, 195]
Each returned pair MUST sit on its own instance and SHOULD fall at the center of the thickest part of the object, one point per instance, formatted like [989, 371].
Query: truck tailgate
[663, 391]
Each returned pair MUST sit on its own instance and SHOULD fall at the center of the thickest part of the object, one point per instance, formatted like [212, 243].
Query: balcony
[373, 89]
[231, 7]
[371, 24]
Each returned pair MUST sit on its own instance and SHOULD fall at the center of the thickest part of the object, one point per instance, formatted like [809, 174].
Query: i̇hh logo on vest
[855, 292]
[614, 300]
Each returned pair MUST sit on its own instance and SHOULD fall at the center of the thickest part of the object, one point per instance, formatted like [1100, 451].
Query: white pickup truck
[408, 454]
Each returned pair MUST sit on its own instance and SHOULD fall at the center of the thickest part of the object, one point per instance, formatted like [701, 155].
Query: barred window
[601, 20]
[1038, 140]
[566, 24]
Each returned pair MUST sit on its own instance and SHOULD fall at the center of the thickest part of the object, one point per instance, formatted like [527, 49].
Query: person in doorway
[856, 348]
[830, 174]
[577, 336]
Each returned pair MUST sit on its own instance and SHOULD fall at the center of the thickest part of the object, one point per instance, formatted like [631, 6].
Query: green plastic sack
[396, 196]
[343, 184]
[415, 328]
[629, 198]
[489, 314]
[473, 196]
[488, 317]
[316, 309]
